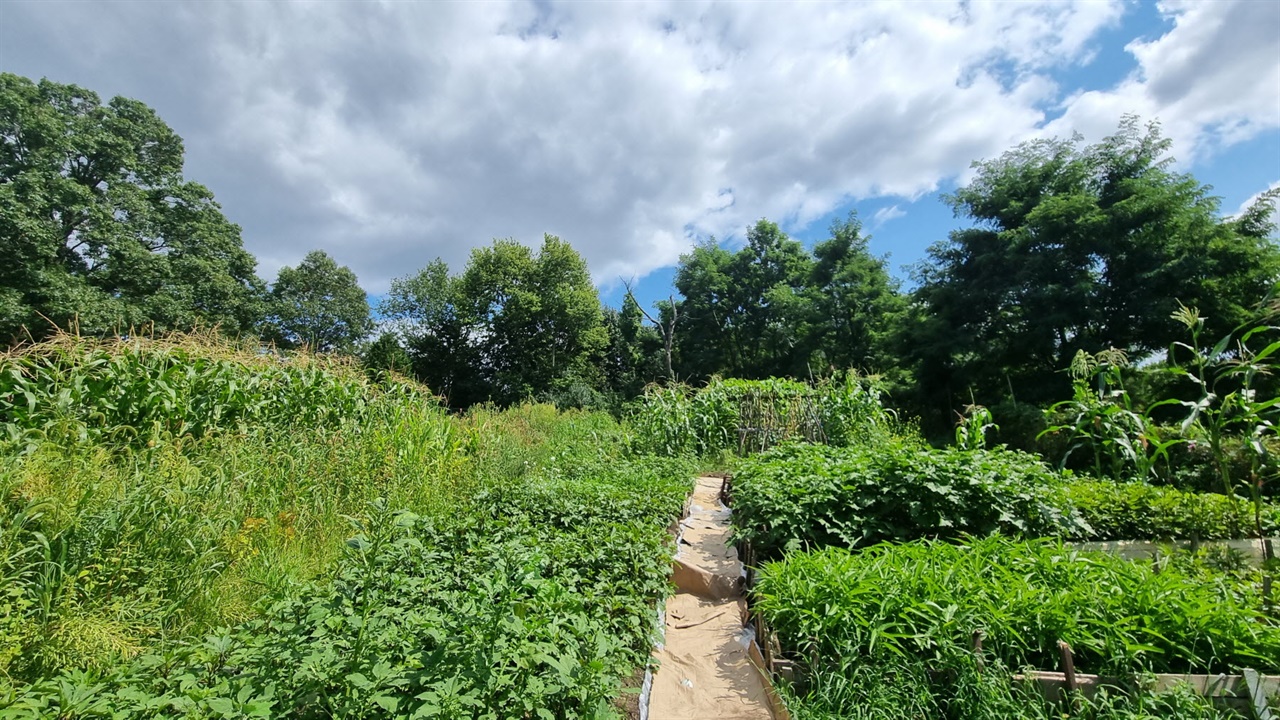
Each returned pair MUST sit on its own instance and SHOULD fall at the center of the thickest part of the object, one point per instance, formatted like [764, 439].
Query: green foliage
[538, 315]
[385, 356]
[532, 604]
[1226, 377]
[1076, 248]
[513, 326]
[1123, 440]
[747, 415]
[923, 600]
[814, 495]
[973, 426]
[772, 309]
[1137, 511]
[143, 391]
[537, 547]
[910, 690]
[318, 305]
[431, 313]
[635, 354]
[98, 228]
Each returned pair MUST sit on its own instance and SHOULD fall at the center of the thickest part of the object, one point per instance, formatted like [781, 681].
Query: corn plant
[973, 426]
[752, 415]
[1102, 419]
[1225, 376]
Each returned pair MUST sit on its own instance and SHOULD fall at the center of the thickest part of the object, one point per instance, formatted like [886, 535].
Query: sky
[392, 133]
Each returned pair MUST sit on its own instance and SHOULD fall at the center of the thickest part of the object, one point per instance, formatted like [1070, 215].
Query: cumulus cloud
[1213, 80]
[392, 133]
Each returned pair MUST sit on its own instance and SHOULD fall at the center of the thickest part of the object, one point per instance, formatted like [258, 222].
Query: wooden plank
[1231, 691]
[1257, 696]
[1253, 549]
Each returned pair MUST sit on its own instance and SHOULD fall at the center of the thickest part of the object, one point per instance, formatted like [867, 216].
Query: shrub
[815, 495]
[1136, 511]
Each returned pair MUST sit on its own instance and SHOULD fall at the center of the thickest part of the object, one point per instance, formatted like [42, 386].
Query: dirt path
[705, 667]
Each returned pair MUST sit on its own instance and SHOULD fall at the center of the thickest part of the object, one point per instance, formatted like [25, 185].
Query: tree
[664, 325]
[318, 304]
[637, 353]
[386, 355]
[536, 317]
[1077, 248]
[707, 339]
[743, 313]
[515, 324]
[98, 226]
[853, 302]
[432, 316]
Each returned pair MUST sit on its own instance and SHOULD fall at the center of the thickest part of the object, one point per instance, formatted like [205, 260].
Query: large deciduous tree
[98, 226]
[537, 316]
[1078, 247]
[515, 324]
[318, 304]
[743, 313]
[430, 313]
[773, 309]
[853, 302]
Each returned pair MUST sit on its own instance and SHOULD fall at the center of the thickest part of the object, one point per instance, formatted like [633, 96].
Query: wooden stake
[1068, 665]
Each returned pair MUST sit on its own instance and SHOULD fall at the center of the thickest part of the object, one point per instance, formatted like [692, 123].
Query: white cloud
[1212, 80]
[1254, 198]
[392, 133]
[885, 214]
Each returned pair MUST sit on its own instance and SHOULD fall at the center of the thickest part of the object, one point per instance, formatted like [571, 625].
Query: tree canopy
[515, 324]
[99, 227]
[1068, 247]
[774, 309]
[1078, 247]
[318, 304]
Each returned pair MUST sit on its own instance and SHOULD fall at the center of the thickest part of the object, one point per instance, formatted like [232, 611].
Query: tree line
[1066, 247]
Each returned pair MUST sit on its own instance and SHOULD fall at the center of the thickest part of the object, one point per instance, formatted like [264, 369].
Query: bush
[1136, 511]
[814, 495]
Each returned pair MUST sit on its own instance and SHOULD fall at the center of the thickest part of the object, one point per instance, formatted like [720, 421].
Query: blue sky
[907, 226]
[390, 134]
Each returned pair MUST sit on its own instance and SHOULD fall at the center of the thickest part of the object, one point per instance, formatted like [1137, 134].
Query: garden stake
[1068, 665]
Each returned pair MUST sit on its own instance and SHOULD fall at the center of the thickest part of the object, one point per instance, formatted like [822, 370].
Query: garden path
[706, 670]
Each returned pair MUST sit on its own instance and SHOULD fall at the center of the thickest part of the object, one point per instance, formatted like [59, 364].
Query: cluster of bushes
[898, 608]
[805, 496]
